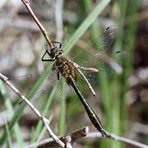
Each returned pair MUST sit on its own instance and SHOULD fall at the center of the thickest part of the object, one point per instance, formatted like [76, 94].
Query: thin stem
[71, 139]
[84, 133]
[26, 3]
[117, 138]
[42, 118]
[59, 20]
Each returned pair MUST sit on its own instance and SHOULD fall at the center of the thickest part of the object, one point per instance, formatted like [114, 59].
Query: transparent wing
[101, 50]
[99, 54]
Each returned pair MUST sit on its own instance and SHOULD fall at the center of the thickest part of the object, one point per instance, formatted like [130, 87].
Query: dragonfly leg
[58, 75]
[43, 59]
[89, 69]
[87, 82]
[86, 69]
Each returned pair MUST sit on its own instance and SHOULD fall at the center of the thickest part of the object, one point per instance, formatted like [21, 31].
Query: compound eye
[60, 51]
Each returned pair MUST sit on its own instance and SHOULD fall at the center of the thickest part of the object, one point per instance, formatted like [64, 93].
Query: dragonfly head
[56, 52]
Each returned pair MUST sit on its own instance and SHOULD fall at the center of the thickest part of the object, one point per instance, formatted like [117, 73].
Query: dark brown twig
[69, 140]
[26, 3]
[84, 133]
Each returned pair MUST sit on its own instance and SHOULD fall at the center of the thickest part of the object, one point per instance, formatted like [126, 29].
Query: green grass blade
[9, 137]
[9, 106]
[85, 24]
[17, 114]
[45, 111]
[95, 34]
[62, 112]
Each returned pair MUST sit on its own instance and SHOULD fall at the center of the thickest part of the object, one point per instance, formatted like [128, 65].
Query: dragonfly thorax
[66, 68]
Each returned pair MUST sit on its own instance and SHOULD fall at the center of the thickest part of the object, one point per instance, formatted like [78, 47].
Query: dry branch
[26, 3]
[69, 140]
[84, 133]
[42, 118]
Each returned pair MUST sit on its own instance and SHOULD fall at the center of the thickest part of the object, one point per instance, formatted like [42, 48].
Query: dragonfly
[69, 70]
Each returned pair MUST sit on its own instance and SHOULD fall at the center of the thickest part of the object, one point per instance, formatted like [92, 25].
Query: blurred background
[121, 99]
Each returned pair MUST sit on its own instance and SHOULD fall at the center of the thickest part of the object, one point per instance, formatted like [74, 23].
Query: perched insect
[69, 71]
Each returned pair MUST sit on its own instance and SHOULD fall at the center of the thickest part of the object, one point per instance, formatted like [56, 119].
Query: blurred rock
[22, 52]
